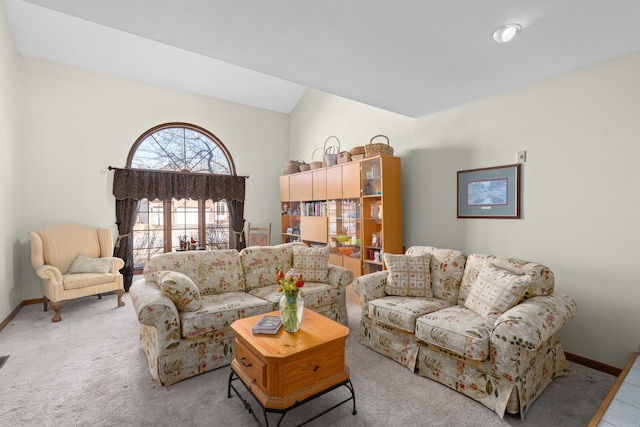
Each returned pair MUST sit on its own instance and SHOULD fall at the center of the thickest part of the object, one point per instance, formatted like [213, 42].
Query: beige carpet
[89, 370]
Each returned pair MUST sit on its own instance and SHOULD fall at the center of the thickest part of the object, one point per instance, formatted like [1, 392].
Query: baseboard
[15, 311]
[602, 367]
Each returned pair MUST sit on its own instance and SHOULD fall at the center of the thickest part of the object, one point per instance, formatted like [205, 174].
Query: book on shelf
[268, 325]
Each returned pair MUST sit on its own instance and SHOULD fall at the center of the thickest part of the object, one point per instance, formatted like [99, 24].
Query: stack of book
[268, 325]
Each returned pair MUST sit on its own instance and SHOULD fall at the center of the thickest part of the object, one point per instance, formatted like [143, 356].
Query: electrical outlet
[522, 157]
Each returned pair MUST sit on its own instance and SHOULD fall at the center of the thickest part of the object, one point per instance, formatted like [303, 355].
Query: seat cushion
[457, 329]
[402, 312]
[219, 311]
[315, 295]
[82, 280]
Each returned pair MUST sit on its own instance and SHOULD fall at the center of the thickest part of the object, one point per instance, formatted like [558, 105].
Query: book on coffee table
[268, 325]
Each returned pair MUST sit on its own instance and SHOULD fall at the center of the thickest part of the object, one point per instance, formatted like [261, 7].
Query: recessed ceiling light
[506, 33]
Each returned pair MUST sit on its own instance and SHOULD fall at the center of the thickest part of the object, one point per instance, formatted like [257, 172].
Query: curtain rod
[153, 170]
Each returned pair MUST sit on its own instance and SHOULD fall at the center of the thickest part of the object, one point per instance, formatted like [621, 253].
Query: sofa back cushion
[447, 268]
[542, 279]
[211, 271]
[261, 264]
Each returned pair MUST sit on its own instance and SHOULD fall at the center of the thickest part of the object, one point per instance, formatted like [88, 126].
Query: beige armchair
[65, 276]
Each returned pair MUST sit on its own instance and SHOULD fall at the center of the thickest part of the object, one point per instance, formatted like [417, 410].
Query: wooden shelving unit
[361, 216]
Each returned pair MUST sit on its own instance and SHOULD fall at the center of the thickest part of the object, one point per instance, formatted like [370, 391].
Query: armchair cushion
[312, 262]
[181, 289]
[85, 264]
[409, 275]
[495, 290]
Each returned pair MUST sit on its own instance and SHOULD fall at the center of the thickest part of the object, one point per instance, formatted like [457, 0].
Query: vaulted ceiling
[412, 57]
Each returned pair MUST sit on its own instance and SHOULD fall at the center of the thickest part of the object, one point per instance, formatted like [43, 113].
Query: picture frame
[492, 192]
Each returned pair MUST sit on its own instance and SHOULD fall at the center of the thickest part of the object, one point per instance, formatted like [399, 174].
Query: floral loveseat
[484, 325]
[187, 301]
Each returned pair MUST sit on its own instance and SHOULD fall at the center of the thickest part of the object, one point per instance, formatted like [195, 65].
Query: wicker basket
[330, 157]
[378, 149]
[344, 157]
[357, 157]
[291, 166]
[315, 164]
[357, 150]
[304, 167]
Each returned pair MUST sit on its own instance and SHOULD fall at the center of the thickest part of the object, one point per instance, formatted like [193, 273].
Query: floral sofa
[486, 326]
[187, 301]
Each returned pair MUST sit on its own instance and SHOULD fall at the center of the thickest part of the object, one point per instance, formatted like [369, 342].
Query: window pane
[217, 224]
[148, 232]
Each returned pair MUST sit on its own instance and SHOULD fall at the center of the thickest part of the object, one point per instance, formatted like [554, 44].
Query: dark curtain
[236, 217]
[132, 185]
[126, 212]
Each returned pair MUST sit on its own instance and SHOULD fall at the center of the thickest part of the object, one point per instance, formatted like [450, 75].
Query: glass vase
[291, 309]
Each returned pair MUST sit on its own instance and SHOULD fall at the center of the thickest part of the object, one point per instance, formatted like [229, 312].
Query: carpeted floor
[89, 370]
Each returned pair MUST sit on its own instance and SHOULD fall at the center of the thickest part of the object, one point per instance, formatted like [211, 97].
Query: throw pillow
[409, 275]
[312, 262]
[495, 291]
[85, 264]
[181, 289]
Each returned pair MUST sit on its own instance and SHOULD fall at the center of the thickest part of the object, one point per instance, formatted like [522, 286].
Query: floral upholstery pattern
[180, 288]
[456, 329]
[495, 290]
[542, 278]
[447, 268]
[219, 311]
[211, 271]
[409, 275]
[505, 363]
[260, 264]
[402, 312]
[180, 344]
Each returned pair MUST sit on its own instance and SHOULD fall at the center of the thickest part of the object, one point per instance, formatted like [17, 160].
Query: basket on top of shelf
[378, 149]
[315, 164]
[291, 166]
[344, 157]
[330, 157]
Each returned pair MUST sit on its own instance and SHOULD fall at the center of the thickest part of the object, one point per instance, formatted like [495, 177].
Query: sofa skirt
[191, 357]
[396, 344]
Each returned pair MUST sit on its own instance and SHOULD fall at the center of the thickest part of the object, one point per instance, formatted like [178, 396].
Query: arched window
[180, 224]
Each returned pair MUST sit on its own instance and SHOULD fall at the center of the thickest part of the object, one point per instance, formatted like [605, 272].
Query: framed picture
[489, 192]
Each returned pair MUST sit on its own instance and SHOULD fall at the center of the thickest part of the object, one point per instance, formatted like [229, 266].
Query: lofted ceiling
[412, 57]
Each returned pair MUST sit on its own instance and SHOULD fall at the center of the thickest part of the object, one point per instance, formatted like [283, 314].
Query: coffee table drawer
[250, 364]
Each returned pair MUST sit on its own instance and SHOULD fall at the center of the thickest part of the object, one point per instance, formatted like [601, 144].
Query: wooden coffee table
[285, 370]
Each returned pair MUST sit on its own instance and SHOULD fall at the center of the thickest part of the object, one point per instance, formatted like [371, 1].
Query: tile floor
[624, 409]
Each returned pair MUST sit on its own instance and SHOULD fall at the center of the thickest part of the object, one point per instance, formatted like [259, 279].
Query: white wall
[75, 123]
[10, 291]
[582, 136]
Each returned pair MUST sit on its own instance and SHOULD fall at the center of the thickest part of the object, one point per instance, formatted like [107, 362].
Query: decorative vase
[291, 309]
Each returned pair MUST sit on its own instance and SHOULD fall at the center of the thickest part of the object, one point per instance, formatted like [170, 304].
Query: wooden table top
[315, 330]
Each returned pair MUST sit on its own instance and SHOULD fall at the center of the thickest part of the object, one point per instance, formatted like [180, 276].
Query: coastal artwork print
[489, 192]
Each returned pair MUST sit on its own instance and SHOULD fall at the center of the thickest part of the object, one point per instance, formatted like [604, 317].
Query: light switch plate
[522, 157]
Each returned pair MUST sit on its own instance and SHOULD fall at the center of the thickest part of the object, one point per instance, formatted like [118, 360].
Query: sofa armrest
[153, 308]
[339, 277]
[532, 322]
[116, 265]
[370, 287]
[50, 273]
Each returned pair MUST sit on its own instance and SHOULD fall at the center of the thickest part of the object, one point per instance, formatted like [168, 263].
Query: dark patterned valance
[141, 184]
